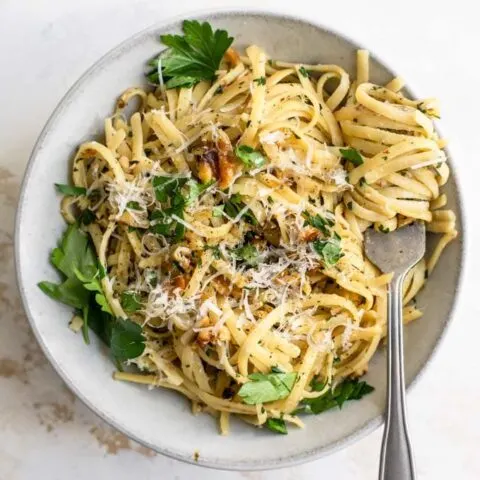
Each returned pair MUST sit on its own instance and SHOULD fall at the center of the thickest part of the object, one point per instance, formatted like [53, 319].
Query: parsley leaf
[193, 57]
[99, 321]
[218, 210]
[70, 292]
[132, 205]
[130, 302]
[318, 222]
[167, 187]
[352, 155]
[276, 425]
[195, 189]
[81, 288]
[92, 284]
[234, 206]
[126, 340]
[249, 157]
[329, 250]
[347, 390]
[73, 254]
[87, 217]
[260, 81]
[248, 253]
[70, 190]
[167, 190]
[304, 71]
[265, 388]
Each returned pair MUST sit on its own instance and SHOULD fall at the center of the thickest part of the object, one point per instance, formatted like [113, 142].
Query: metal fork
[396, 252]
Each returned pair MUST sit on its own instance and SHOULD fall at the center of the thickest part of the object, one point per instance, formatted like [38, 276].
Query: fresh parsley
[87, 217]
[277, 425]
[265, 388]
[80, 288]
[234, 205]
[132, 205]
[304, 71]
[329, 250]
[190, 58]
[218, 210]
[318, 222]
[168, 191]
[130, 302]
[347, 390]
[250, 157]
[260, 81]
[383, 229]
[74, 254]
[352, 155]
[162, 223]
[70, 190]
[195, 189]
[166, 188]
[126, 340]
[247, 253]
[92, 284]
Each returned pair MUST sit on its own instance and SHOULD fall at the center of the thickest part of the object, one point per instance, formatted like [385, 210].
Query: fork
[396, 252]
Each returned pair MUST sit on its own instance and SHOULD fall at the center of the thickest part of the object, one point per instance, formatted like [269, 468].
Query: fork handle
[396, 460]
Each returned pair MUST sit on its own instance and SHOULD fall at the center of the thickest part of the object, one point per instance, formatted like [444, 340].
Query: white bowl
[161, 419]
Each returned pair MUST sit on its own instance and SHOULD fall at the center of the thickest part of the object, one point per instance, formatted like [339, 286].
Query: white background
[45, 45]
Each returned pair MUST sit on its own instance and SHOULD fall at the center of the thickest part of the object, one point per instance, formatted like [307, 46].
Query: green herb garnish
[250, 157]
[383, 229]
[234, 205]
[87, 217]
[347, 390]
[132, 205]
[265, 388]
[74, 254]
[130, 302]
[218, 210]
[318, 222]
[70, 190]
[81, 288]
[304, 71]
[260, 80]
[166, 188]
[126, 340]
[190, 58]
[276, 425]
[329, 250]
[352, 155]
[195, 189]
[248, 254]
[168, 192]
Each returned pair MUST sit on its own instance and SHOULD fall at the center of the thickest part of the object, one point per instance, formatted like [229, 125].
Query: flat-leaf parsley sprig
[190, 58]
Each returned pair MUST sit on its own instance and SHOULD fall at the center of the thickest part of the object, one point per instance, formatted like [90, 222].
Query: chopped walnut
[226, 162]
[232, 57]
[309, 234]
[205, 337]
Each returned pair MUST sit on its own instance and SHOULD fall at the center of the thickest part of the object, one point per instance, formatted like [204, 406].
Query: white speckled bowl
[161, 419]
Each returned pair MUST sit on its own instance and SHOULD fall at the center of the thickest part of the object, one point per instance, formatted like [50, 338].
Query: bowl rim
[296, 459]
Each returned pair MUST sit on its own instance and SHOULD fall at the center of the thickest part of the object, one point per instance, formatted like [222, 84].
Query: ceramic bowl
[160, 419]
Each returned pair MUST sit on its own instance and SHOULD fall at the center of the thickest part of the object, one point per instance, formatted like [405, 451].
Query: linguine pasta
[229, 218]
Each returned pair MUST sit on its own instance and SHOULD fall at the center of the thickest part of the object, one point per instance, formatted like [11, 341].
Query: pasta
[229, 216]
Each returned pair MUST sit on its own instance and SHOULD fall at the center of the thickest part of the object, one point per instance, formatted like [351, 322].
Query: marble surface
[45, 433]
